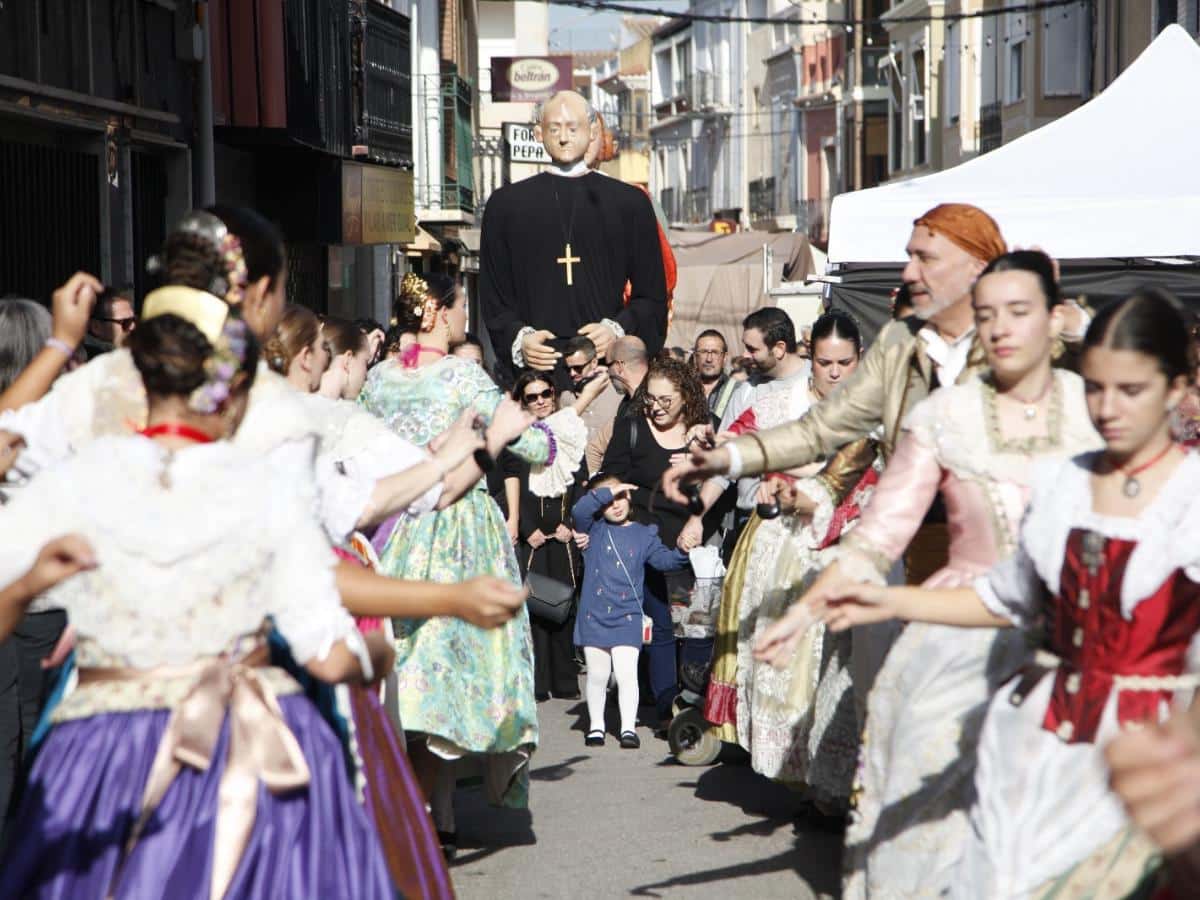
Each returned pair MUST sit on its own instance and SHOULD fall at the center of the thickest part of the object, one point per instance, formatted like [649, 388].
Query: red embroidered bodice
[1097, 644]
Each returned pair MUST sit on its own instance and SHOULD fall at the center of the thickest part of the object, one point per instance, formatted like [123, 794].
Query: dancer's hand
[488, 602]
[457, 442]
[846, 604]
[777, 644]
[701, 465]
[62, 649]
[795, 502]
[768, 489]
[10, 449]
[1155, 770]
[381, 652]
[72, 304]
[58, 560]
[509, 421]
[538, 354]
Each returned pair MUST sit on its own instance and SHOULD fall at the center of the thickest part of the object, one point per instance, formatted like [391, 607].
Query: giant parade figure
[558, 249]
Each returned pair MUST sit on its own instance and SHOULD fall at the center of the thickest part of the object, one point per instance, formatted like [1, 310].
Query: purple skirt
[84, 795]
[394, 802]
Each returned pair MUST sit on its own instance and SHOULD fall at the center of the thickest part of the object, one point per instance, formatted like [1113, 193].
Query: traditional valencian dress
[467, 690]
[926, 707]
[1117, 601]
[144, 786]
[361, 446]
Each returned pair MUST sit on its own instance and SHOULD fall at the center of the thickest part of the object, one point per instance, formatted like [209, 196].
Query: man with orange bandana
[948, 248]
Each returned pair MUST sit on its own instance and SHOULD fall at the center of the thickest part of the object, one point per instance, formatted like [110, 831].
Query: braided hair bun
[169, 352]
[421, 296]
[192, 260]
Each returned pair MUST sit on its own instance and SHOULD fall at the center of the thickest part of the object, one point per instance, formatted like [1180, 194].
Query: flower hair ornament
[414, 292]
[223, 364]
[231, 285]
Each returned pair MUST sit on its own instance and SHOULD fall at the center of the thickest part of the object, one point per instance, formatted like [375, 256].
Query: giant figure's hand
[538, 354]
[600, 335]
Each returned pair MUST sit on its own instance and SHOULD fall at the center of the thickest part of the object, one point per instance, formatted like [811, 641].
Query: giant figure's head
[565, 124]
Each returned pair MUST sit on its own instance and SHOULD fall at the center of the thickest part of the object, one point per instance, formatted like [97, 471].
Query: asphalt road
[607, 822]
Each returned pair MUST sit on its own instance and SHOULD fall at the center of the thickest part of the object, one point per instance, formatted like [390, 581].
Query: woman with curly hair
[668, 412]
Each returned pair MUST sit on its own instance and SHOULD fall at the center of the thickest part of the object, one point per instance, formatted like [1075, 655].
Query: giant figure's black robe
[613, 234]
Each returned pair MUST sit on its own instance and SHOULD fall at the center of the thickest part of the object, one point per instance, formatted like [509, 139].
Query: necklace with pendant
[1031, 406]
[1132, 487]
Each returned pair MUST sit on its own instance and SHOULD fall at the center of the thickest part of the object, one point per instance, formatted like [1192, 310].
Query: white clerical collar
[580, 168]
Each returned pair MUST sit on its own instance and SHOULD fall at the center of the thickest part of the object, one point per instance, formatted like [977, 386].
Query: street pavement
[606, 822]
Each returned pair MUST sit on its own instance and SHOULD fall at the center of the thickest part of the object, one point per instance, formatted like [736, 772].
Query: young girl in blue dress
[609, 623]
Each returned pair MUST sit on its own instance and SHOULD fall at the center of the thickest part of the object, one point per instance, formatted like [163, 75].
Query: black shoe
[594, 739]
[541, 696]
[630, 741]
[571, 696]
[449, 842]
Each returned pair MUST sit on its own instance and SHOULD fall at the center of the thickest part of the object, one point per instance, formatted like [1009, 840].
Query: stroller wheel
[692, 740]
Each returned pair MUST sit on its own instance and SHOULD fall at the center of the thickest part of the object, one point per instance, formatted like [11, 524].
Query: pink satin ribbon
[261, 748]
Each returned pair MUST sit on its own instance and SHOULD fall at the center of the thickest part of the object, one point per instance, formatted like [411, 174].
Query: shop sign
[522, 146]
[377, 205]
[528, 79]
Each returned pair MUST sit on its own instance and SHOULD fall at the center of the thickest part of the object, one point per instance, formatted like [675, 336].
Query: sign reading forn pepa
[527, 79]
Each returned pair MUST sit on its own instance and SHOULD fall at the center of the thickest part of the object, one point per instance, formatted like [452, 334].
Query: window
[953, 70]
[1065, 51]
[1165, 13]
[1014, 62]
[683, 63]
[896, 114]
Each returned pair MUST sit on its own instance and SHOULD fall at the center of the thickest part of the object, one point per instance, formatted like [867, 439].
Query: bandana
[967, 226]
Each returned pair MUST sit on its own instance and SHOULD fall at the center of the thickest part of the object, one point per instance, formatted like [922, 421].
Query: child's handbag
[647, 622]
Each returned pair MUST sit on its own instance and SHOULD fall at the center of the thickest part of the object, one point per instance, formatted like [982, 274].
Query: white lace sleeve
[1013, 590]
[303, 592]
[568, 439]
[389, 454]
[36, 513]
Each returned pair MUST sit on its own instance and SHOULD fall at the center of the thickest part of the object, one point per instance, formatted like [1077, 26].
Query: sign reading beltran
[527, 79]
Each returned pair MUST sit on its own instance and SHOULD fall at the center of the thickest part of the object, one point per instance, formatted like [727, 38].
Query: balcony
[445, 182]
[384, 121]
[698, 93]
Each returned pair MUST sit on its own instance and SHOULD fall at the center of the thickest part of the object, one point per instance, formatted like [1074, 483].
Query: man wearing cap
[949, 247]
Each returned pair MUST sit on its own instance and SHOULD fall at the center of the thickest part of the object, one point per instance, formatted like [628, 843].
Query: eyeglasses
[661, 402]
[127, 324]
[708, 352]
[533, 398]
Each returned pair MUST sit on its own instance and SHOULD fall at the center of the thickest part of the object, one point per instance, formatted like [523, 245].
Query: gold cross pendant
[569, 261]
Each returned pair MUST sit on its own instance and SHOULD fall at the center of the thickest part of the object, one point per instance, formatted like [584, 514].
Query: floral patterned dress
[468, 690]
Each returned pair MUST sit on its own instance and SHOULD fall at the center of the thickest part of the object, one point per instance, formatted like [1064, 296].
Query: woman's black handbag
[549, 599]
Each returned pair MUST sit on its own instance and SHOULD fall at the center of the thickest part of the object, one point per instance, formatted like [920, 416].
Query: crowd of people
[273, 583]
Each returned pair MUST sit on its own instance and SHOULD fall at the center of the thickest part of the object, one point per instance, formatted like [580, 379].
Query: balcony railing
[385, 124]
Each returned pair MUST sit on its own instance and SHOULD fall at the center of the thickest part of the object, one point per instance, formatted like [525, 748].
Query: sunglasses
[127, 324]
[533, 398]
[578, 368]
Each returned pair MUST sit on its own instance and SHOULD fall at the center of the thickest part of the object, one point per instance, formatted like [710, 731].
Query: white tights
[600, 660]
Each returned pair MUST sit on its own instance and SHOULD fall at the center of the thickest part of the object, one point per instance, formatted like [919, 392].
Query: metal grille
[388, 106]
[50, 217]
[149, 184]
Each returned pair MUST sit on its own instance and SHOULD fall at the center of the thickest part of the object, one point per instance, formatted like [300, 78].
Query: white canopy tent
[1117, 178]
